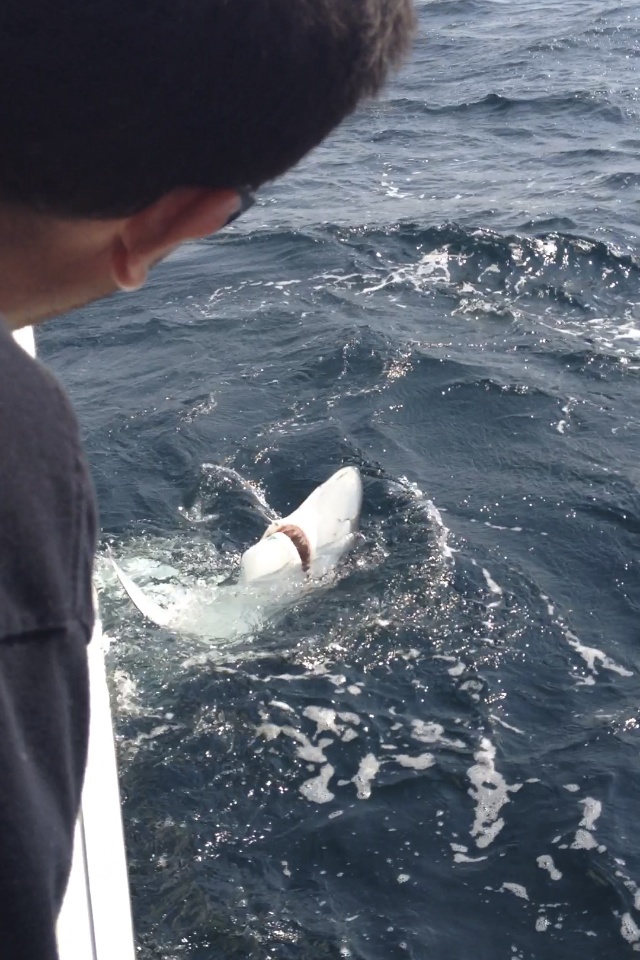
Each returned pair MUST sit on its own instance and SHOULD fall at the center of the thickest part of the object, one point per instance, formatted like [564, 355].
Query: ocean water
[436, 755]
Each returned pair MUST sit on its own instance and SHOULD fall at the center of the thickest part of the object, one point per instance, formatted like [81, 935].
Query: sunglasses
[247, 200]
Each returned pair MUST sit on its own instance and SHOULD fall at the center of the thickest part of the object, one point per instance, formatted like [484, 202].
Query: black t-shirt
[47, 543]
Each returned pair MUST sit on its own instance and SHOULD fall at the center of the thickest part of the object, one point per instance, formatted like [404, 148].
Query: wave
[570, 103]
[576, 285]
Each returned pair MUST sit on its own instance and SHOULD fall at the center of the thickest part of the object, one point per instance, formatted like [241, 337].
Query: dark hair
[105, 105]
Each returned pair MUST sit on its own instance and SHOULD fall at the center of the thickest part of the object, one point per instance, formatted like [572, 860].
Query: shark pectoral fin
[148, 608]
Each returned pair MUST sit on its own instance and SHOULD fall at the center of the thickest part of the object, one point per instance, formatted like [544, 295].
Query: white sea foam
[422, 762]
[592, 810]
[349, 735]
[507, 726]
[433, 267]
[312, 753]
[126, 692]
[443, 531]
[629, 929]
[324, 718]
[584, 841]
[317, 788]
[490, 792]
[281, 706]
[516, 889]
[365, 776]
[464, 858]
[433, 515]
[592, 655]
[612, 336]
[269, 731]
[433, 733]
[545, 862]
[349, 717]
[460, 854]
[493, 588]
[550, 607]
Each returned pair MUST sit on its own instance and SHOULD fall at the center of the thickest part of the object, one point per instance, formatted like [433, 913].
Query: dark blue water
[437, 757]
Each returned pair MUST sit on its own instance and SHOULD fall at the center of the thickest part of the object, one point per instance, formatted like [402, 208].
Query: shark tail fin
[147, 607]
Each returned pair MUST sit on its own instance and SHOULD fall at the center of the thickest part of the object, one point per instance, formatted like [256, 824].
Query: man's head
[112, 110]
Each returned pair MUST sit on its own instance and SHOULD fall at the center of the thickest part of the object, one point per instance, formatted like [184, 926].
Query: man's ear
[145, 238]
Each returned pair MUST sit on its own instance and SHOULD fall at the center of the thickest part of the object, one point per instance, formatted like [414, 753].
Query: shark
[296, 555]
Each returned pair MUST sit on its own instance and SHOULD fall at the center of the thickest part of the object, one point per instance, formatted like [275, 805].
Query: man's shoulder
[47, 514]
[36, 417]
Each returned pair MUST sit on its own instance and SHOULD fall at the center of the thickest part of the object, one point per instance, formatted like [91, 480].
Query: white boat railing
[95, 921]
